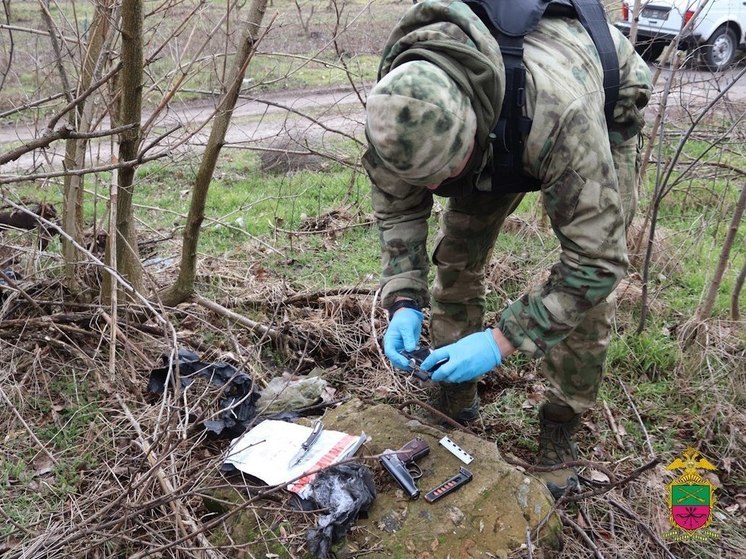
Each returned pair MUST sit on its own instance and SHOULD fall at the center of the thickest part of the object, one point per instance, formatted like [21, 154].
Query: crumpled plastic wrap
[345, 491]
[288, 393]
[238, 398]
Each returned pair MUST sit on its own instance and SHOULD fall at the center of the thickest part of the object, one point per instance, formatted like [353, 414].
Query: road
[313, 115]
[304, 115]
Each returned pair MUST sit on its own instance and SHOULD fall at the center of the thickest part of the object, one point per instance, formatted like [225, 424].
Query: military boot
[459, 401]
[557, 426]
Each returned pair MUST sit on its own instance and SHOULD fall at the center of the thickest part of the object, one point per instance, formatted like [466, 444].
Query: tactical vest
[510, 21]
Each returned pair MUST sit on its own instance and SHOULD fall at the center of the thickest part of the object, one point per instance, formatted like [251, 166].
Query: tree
[705, 308]
[80, 119]
[122, 253]
[183, 287]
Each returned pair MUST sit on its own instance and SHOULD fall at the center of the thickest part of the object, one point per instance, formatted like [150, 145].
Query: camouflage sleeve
[402, 211]
[582, 201]
[635, 87]
[627, 165]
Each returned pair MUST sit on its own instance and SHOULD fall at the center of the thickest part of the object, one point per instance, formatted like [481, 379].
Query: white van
[718, 30]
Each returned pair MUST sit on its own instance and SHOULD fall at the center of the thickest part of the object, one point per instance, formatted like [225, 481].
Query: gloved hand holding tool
[464, 360]
[402, 334]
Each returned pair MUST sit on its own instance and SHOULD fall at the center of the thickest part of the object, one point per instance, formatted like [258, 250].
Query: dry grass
[94, 467]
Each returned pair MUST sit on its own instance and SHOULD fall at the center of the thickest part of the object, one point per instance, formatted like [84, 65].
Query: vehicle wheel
[650, 50]
[720, 49]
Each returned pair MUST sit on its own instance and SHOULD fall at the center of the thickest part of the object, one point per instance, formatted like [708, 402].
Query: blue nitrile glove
[402, 335]
[464, 360]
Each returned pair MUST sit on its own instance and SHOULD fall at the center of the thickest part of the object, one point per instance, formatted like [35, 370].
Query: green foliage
[653, 353]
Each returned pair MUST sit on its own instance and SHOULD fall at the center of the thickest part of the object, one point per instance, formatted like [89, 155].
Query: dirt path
[265, 116]
[256, 119]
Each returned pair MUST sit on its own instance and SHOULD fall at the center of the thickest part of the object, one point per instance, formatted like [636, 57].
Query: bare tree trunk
[705, 308]
[127, 258]
[735, 315]
[635, 22]
[80, 120]
[183, 287]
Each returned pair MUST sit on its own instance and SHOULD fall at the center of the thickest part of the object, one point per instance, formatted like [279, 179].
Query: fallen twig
[575, 526]
[644, 525]
[436, 412]
[183, 518]
[305, 298]
[612, 424]
[512, 460]
[252, 325]
[637, 415]
[47, 320]
[615, 483]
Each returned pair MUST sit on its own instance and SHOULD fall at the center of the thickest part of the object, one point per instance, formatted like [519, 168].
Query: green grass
[652, 353]
[62, 419]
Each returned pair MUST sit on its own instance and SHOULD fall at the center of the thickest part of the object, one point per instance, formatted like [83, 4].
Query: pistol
[397, 463]
[416, 358]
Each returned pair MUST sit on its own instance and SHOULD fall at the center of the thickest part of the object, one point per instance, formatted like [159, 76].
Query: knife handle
[318, 426]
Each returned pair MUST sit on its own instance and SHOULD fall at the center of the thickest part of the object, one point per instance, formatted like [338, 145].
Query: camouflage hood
[448, 34]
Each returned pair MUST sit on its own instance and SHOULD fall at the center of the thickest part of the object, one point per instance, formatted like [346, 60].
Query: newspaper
[267, 450]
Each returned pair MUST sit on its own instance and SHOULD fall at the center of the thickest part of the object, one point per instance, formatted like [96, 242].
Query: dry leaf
[44, 465]
[713, 479]
[599, 477]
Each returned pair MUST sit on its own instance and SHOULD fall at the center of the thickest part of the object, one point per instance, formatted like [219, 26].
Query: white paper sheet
[265, 452]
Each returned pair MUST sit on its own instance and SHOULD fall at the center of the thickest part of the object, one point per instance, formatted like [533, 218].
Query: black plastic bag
[238, 398]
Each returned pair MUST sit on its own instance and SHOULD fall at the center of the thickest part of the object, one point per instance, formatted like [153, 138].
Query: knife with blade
[306, 446]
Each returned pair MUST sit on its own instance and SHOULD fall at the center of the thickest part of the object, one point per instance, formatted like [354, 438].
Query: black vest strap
[509, 22]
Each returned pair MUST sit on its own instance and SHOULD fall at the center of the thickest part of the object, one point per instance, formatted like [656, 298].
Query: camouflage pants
[468, 230]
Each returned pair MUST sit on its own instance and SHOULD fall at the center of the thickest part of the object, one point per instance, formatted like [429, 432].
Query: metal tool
[416, 358]
[456, 450]
[306, 446]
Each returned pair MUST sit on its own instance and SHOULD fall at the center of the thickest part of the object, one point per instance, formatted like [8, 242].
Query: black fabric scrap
[346, 491]
[12, 276]
[237, 385]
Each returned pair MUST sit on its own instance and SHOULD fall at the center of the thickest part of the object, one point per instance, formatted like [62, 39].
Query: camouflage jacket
[569, 149]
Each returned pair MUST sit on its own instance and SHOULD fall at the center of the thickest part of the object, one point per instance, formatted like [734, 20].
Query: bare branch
[83, 96]
[64, 132]
[52, 32]
[30, 104]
